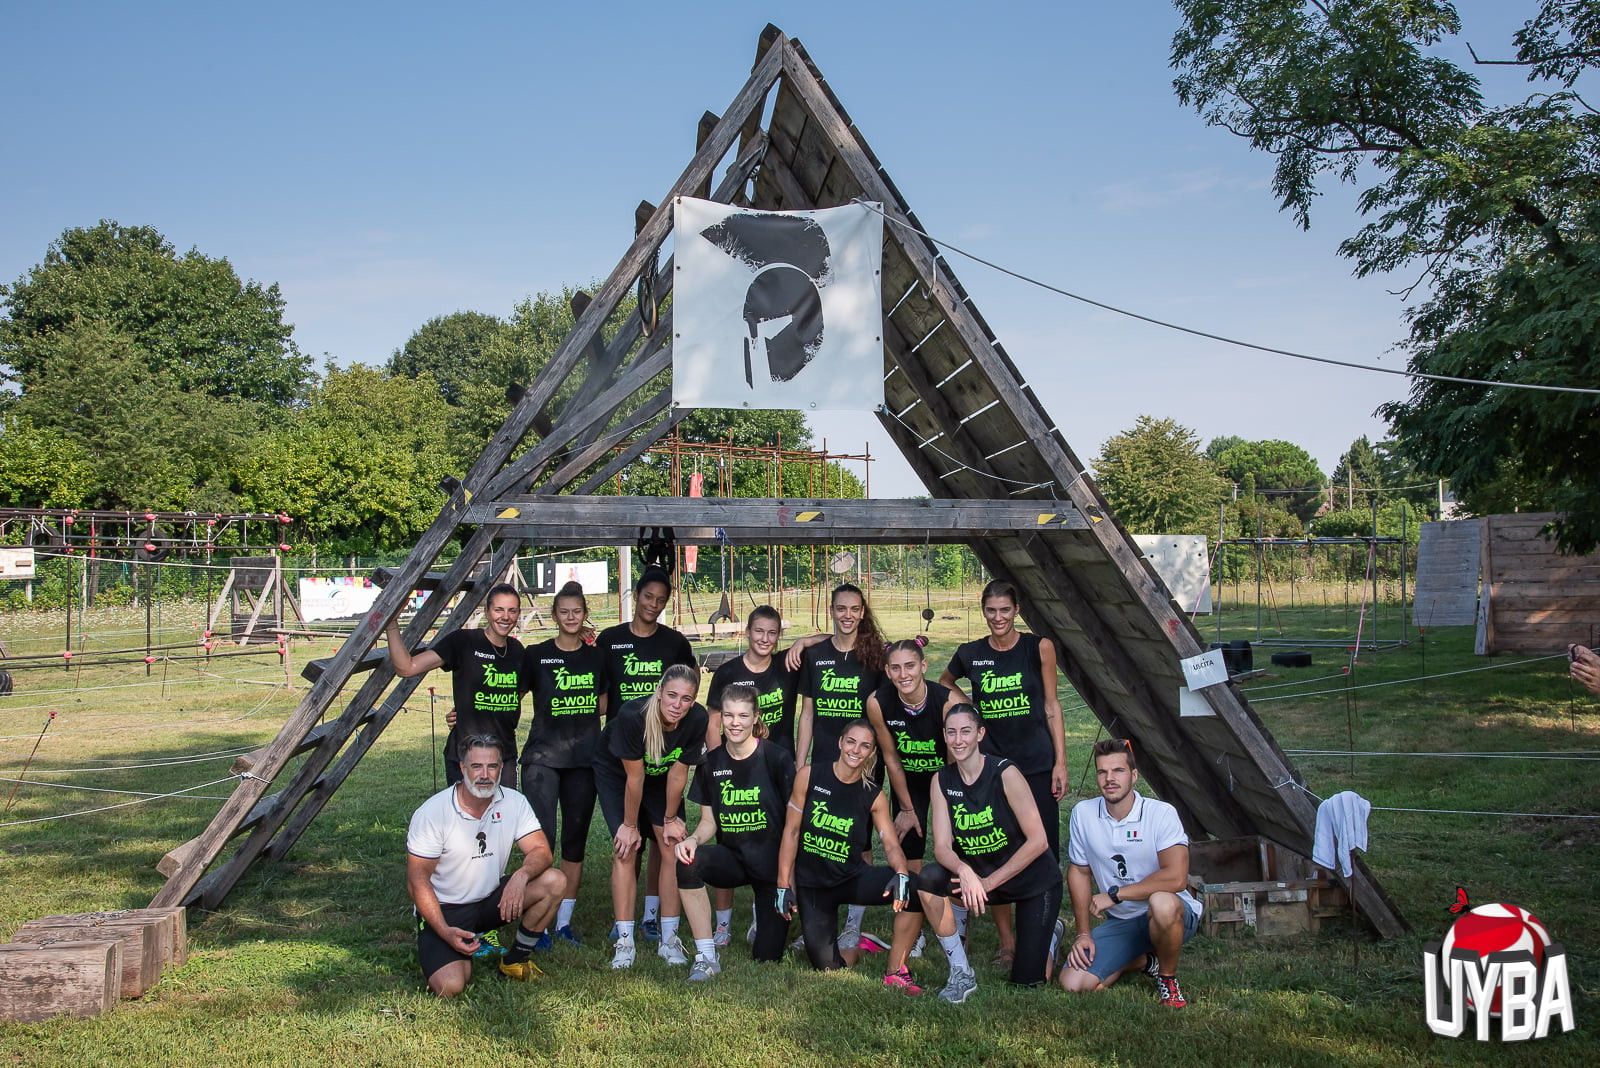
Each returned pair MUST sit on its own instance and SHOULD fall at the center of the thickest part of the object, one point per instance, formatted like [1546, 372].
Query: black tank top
[918, 737]
[835, 829]
[748, 799]
[1008, 688]
[985, 831]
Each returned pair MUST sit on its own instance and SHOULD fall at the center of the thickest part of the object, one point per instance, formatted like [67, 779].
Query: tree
[189, 317]
[1496, 208]
[40, 469]
[458, 350]
[1281, 470]
[149, 443]
[1156, 480]
[360, 468]
[1221, 444]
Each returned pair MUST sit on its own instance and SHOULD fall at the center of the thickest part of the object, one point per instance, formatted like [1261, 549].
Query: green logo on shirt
[834, 683]
[499, 680]
[975, 832]
[570, 680]
[664, 765]
[632, 665]
[1007, 700]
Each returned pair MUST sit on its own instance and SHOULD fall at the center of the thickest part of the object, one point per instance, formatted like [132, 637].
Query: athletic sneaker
[1058, 943]
[798, 945]
[1171, 994]
[902, 981]
[750, 935]
[543, 944]
[622, 953]
[703, 969]
[488, 946]
[651, 929]
[671, 950]
[850, 935]
[523, 971]
[722, 936]
[960, 986]
[871, 943]
[1003, 959]
[916, 950]
[1152, 966]
[568, 935]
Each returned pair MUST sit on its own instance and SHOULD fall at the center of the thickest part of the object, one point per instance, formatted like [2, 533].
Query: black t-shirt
[775, 690]
[838, 687]
[1008, 689]
[685, 743]
[565, 717]
[984, 829]
[484, 687]
[749, 799]
[633, 665]
[918, 736]
[835, 829]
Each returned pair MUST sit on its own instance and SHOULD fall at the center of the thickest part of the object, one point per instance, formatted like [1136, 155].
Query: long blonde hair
[655, 731]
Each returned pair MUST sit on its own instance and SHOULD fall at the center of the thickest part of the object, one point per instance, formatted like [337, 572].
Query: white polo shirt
[471, 850]
[1122, 852]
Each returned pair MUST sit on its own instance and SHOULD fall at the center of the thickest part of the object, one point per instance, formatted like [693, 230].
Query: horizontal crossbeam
[769, 521]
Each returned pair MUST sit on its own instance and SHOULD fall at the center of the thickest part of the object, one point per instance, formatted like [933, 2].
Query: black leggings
[914, 844]
[1049, 809]
[575, 790]
[721, 867]
[1035, 920]
[819, 911]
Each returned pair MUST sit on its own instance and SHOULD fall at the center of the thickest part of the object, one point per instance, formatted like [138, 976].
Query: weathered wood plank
[38, 982]
[141, 948]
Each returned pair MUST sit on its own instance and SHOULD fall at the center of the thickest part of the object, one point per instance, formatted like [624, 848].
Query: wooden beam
[813, 521]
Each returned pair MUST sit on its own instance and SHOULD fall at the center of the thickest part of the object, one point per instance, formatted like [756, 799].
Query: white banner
[592, 575]
[777, 309]
[342, 596]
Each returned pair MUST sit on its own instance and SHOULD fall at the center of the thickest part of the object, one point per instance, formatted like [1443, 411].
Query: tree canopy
[1156, 479]
[189, 317]
[1494, 208]
[1276, 469]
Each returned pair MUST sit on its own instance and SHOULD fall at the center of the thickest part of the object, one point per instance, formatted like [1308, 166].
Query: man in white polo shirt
[457, 848]
[1138, 853]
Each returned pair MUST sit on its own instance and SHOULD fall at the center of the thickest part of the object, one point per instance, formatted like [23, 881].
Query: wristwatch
[1112, 894]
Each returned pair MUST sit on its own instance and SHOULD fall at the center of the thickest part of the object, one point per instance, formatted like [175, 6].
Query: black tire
[1294, 659]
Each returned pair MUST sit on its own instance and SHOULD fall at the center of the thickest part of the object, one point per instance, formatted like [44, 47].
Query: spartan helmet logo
[483, 843]
[790, 260]
[1122, 865]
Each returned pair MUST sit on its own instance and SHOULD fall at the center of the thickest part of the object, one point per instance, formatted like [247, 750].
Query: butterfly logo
[1460, 904]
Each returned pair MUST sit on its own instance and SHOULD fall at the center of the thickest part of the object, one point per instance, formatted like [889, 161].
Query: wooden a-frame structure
[1001, 474]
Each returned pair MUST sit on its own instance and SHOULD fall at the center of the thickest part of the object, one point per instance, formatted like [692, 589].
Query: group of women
[796, 759]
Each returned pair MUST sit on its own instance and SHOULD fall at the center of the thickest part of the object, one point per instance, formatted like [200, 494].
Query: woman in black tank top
[907, 713]
[991, 849]
[832, 812]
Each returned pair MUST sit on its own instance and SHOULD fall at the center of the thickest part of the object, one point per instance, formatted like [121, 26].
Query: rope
[1548, 754]
[1218, 337]
[1402, 682]
[973, 470]
[104, 789]
[197, 758]
[123, 804]
[1452, 811]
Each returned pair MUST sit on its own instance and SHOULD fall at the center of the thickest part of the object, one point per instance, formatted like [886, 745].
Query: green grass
[313, 958]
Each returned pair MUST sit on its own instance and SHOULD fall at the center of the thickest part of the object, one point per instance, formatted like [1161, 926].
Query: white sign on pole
[16, 562]
[777, 309]
[1183, 563]
[1204, 670]
[592, 575]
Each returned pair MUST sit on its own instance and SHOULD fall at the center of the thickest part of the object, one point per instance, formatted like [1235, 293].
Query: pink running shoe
[902, 981]
[871, 943]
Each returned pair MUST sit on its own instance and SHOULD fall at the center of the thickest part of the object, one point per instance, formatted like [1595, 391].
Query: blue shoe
[543, 944]
[488, 946]
[651, 929]
[568, 935]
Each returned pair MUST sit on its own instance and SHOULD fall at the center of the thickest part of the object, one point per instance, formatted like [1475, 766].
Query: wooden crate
[169, 927]
[1250, 885]
[141, 947]
[59, 979]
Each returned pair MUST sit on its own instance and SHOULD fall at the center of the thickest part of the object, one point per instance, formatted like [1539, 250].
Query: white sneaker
[671, 950]
[622, 954]
[750, 935]
[721, 936]
[922, 942]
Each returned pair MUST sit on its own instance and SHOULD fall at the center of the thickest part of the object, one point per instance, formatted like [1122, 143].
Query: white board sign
[342, 596]
[592, 575]
[16, 562]
[1193, 704]
[1204, 670]
[1184, 564]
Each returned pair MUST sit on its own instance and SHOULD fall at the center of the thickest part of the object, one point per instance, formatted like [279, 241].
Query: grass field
[312, 959]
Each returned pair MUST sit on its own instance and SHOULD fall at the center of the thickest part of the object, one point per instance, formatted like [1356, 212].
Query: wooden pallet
[1252, 886]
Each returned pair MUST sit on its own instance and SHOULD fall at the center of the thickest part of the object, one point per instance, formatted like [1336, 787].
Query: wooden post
[59, 979]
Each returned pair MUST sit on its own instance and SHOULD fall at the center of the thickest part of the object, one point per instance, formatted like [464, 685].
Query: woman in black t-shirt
[566, 677]
[742, 788]
[641, 766]
[990, 849]
[1012, 679]
[761, 666]
[484, 666]
[637, 652]
[833, 810]
[837, 675]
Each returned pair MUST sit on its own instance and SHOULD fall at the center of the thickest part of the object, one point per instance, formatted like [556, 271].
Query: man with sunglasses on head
[1136, 851]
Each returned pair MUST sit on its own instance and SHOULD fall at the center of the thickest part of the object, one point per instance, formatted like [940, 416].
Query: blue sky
[388, 163]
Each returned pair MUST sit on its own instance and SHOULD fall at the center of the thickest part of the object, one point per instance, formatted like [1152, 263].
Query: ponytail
[869, 638]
